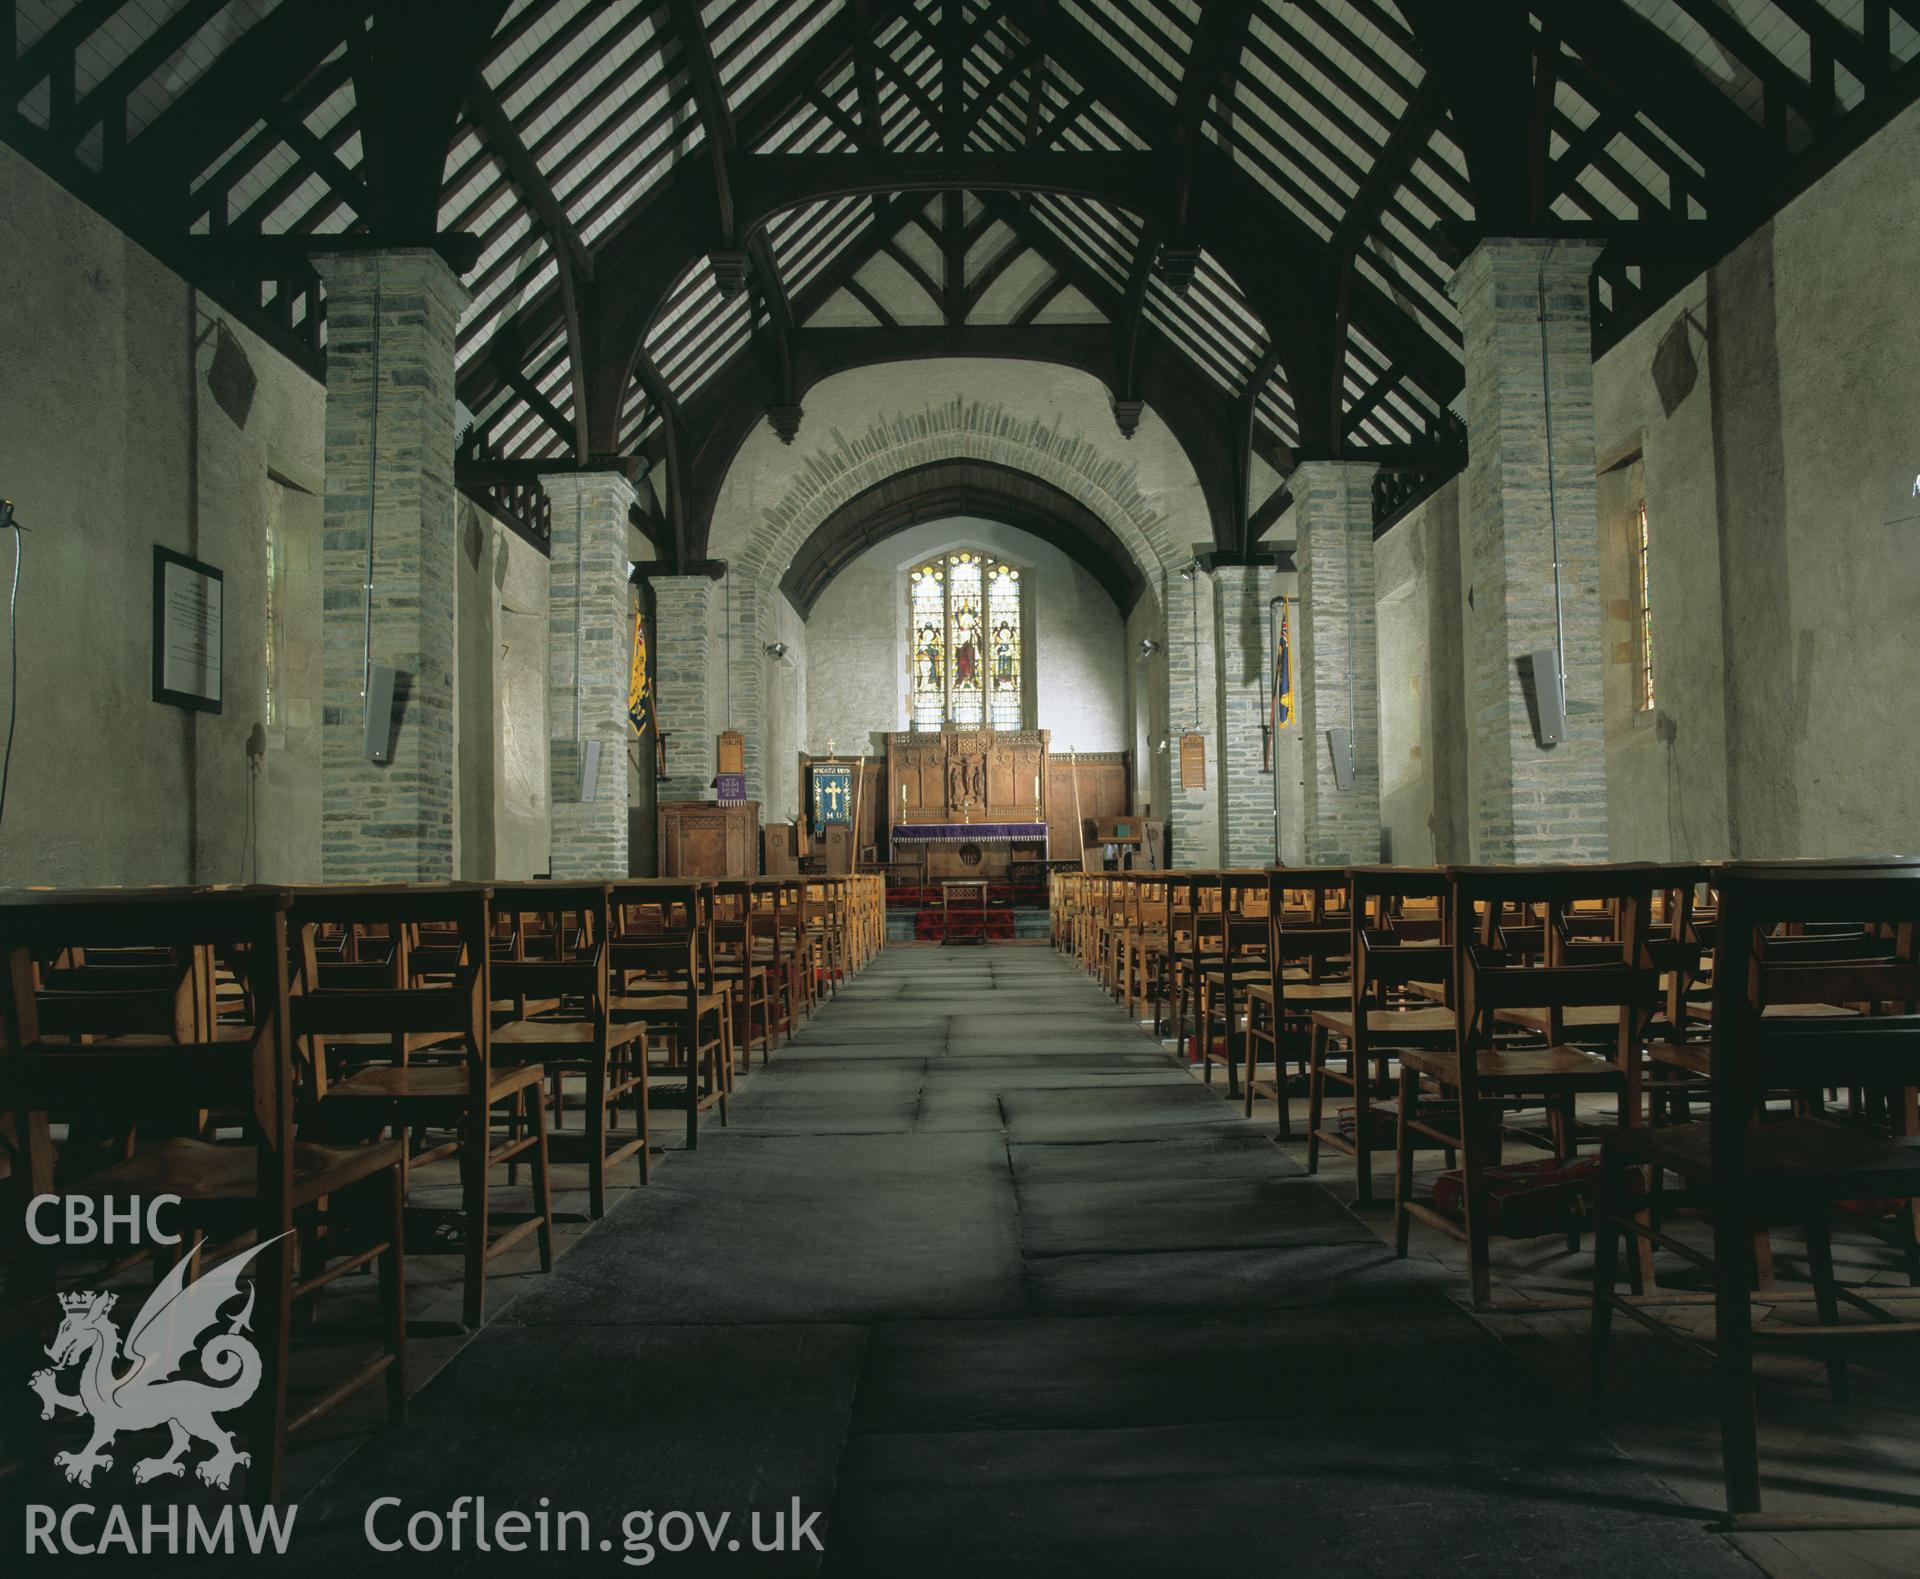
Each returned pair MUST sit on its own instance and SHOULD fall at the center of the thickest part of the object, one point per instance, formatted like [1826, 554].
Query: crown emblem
[81, 1302]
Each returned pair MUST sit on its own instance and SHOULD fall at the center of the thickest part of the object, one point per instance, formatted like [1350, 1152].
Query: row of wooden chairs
[282, 1060]
[1469, 1008]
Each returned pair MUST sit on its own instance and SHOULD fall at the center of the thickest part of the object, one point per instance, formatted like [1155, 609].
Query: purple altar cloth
[968, 832]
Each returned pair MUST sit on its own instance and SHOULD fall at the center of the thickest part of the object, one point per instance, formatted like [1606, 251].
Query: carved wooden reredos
[968, 775]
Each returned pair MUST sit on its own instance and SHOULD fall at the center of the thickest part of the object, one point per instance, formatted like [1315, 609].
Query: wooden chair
[1149, 925]
[72, 1050]
[437, 994]
[662, 980]
[824, 929]
[1748, 1166]
[571, 1031]
[1488, 1075]
[1167, 958]
[1225, 977]
[1308, 939]
[740, 965]
[1384, 1017]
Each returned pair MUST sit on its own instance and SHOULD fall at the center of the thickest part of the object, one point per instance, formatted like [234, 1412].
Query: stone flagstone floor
[984, 1278]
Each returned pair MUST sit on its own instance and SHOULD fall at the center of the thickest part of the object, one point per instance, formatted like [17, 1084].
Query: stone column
[683, 664]
[1192, 675]
[739, 599]
[589, 658]
[1246, 790]
[1529, 394]
[389, 463]
[1336, 657]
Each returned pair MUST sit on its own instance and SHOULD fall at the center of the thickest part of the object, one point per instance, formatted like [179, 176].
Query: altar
[967, 802]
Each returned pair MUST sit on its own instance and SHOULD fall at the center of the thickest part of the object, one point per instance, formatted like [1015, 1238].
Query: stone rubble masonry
[1337, 657]
[389, 822]
[1528, 802]
[681, 660]
[744, 654]
[589, 620]
[1246, 789]
[1193, 675]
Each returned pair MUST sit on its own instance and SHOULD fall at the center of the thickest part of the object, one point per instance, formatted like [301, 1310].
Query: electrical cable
[8, 519]
[1553, 502]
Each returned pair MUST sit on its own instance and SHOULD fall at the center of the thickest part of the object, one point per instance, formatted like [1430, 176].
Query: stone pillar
[683, 664]
[389, 459]
[1246, 661]
[589, 658]
[1529, 802]
[746, 660]
[1192, 677]
[1336, 657]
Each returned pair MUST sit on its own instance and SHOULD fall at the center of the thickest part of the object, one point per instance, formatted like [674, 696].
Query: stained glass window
[1003, 647]
[964, 617]
[965, 663]
[928, 591]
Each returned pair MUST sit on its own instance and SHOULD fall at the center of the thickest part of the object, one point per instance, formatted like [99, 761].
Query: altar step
[1029, 925]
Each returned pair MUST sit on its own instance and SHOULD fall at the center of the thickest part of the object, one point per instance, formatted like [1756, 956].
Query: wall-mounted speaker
[1340, 748]
[589, 769]
[377, 744]
[1549, 697]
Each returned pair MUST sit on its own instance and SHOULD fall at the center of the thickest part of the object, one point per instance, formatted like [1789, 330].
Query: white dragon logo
[149, 1393]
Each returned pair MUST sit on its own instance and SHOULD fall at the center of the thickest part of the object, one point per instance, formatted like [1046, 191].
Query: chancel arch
[1049, 434]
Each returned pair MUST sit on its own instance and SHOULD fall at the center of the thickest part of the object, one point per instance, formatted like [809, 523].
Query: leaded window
[966, 658]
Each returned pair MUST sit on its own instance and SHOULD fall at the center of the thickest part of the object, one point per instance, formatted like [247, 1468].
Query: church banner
[832, 796]
[639, 686]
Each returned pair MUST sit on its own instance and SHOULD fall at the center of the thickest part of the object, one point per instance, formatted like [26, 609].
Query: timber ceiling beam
[502, 137]
[1486, 73]
[732, 260]
[765, 184]
[716, 119]
[266, 62]
[1645, 68]
[1390, 169]
[1037, 77]
[412, 70]
[1283, 269]
[1212, 67]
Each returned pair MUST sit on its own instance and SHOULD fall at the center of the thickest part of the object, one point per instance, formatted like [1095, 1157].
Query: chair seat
[1694, 1057]
[1509, 1070]
[561, 1037]
[1318, 991]
[643, 1004]
[1799, 1158]
[444, 1083]
[1392, 1026]
[1702, 1009]
[204, 1170]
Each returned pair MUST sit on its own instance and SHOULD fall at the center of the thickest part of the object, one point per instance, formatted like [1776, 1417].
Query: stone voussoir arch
[959, 429]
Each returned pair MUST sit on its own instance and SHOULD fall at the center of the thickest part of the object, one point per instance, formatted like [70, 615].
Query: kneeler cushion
[1528, 1199]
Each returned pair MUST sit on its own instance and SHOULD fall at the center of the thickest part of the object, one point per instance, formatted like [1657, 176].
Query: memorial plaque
[1193, 761]
[187, 599]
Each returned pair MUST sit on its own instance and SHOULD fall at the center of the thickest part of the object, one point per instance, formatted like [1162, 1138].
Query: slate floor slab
[1356, 1499]
[979, 1270]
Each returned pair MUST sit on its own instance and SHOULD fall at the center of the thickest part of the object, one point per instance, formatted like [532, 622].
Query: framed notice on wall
[1193, 761]
[187, 598]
